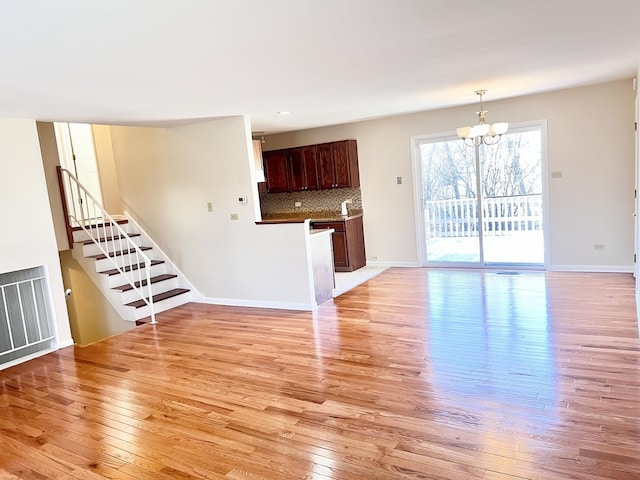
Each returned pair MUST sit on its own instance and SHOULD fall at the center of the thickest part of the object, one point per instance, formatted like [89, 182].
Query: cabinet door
[310, 167]
[345, 163]
[339, 242]
[302, 168]
[340, 252]
[296, 169]
[355, 243]
[325, 166]
[275, 169]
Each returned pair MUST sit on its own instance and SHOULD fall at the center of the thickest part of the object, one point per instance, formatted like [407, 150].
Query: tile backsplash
[312, 201]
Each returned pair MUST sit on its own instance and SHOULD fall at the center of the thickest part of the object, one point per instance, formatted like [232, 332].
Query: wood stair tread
[108, 239]
[114, 271]
[156, 279]
[99, 225]
[102, 256]
[158, 297]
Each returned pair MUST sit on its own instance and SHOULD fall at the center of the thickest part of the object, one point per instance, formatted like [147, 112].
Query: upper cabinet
[312, 167]
[338, 165]
[276, 170]
[303, 169]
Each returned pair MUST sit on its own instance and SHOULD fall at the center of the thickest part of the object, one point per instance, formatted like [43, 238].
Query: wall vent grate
[25, 314]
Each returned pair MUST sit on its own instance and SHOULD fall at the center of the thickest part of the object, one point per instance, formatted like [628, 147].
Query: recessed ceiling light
[284, 113]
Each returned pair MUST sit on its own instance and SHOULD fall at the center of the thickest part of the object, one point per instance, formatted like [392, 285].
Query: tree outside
[509, 168]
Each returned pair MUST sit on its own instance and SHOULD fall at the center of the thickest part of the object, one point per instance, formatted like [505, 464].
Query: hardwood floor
[417, 373]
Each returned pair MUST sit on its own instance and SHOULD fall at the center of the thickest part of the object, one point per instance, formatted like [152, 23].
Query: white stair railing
[84, 211]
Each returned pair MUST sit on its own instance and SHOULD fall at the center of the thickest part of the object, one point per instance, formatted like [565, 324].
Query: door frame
[418, 194]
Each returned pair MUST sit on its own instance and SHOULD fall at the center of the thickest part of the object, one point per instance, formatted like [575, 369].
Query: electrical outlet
[399, 180]
[209, 207]
[297, 204]
[598, 246]
[556, 174]
[234, 216]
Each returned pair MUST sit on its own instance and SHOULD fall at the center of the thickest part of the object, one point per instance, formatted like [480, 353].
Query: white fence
[500, 216]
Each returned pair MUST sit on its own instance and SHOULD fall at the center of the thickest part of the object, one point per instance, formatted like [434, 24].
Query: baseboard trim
[66, 343]
[236, 302]
[380, 263]
[592, 268]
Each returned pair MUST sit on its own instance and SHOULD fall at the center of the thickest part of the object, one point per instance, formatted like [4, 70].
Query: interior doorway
[482, 206]
[77, 153]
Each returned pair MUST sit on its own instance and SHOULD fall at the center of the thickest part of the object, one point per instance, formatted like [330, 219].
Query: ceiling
[171, 62]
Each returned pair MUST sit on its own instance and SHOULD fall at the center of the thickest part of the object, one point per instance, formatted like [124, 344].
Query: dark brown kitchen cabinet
[348, 243]
[338, 165]
[276, 171]
[312, 167]
[303, 171]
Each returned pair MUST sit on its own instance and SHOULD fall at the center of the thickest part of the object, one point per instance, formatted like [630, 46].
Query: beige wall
[167, 176]
[107, 169]
[590, 140]
[28, 238]
[91, 316]
[50, 160]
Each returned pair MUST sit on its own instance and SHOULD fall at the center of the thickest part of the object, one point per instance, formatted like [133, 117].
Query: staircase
[167, 288]
[136, 277]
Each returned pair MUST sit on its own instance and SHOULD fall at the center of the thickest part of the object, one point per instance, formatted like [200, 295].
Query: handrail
[82, 209]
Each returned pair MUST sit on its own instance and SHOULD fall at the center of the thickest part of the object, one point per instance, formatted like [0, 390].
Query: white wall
[590, 139]
[167, 176]
[28, 238]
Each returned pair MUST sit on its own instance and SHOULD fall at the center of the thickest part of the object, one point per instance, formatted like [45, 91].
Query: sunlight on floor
[345, 281]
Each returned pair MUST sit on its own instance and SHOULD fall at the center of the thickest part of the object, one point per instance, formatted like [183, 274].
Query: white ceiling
[166, 62]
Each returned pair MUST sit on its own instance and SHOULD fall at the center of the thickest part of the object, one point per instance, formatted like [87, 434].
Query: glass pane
[450, 204]
[512, 199]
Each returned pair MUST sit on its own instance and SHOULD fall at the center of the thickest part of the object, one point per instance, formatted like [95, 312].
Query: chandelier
[489, 134]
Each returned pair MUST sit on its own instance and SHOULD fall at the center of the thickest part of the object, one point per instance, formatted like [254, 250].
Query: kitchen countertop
[300, 217]
[318, 231]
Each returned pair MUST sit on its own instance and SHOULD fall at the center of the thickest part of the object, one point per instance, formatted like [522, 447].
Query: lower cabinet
[348, 243]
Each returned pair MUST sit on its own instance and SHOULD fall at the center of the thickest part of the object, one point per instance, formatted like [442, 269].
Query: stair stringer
[194, 294]
[118, 299]
[104, 283]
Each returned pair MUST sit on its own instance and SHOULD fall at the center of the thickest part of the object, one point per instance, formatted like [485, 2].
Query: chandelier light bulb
[489, 134]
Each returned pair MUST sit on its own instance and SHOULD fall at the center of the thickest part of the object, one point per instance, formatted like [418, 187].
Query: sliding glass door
[449, 202]
[481, 206]
[512, 199]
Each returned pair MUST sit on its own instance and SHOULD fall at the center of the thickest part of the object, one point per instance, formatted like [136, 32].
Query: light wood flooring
[422, 374]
